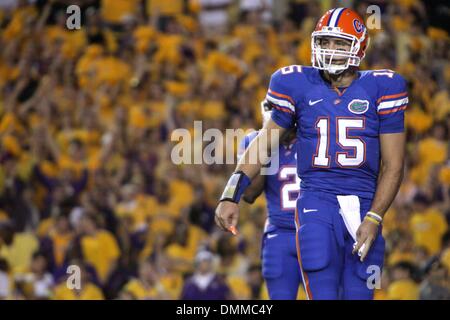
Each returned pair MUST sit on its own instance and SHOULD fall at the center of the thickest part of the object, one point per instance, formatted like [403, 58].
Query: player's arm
[392, 137]
[282, 118]
[392, 147]
[227, 212]
[391, 174]
[255, 189]
[268, 138]
[257, 185]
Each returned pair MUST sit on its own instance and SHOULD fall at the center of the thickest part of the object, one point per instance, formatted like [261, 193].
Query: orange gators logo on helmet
[359, 27]
[342, 23]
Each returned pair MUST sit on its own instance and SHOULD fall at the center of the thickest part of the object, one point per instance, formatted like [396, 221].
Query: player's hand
[365, 236]
[227, 215]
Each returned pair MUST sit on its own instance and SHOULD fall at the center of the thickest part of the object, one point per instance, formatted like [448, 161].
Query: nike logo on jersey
[270, 236]
[309, 210]
[311, 103]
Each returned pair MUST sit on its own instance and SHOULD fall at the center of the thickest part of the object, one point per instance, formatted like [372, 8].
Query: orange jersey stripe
[297, 244]
[392, 96]
[282, 109]
[282, 96]
[392, 110]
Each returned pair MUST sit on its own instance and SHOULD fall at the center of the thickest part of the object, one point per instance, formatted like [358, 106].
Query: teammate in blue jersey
[351, 146]
[280, 266]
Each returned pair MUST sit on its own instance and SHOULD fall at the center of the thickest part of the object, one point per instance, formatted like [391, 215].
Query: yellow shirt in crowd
[88, 291]
[428, 228]
[115, 11]
[100, 251]
[141, 291]
[403, 290]
[164, 7]
[19, 253]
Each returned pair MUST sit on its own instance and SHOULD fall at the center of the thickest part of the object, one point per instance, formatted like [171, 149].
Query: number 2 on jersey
[290, 188]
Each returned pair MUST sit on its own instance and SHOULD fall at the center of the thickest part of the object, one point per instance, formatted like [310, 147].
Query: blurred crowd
[86, 116]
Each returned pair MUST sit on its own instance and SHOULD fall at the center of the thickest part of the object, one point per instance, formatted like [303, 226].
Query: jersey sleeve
[245, 142]
[392, 103]
[283, 112]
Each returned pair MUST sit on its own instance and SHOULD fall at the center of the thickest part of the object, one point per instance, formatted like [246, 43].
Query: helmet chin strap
[340, 72]
[335, 71]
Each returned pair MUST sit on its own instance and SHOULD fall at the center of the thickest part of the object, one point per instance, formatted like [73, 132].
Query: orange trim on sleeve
[393, 110]
[392, 96]
[282, 96]
[283, 109]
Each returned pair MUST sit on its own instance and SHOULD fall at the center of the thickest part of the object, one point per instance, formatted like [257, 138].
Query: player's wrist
[235, 188]
[373, 217]
[371, 220]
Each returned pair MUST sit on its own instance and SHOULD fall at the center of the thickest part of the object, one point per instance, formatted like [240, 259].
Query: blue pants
[324, 245]
[280, 265]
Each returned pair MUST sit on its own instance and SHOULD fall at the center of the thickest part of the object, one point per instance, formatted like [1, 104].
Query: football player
[350, 143]
[280, 266]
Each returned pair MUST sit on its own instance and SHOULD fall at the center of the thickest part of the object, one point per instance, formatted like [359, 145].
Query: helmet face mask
[349, 29]
[334, 61]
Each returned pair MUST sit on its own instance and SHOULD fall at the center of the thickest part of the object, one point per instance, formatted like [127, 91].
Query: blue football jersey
[281, 189]
[338, 129]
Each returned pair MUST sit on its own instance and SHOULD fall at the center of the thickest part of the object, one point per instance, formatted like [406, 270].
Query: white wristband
[375, 216]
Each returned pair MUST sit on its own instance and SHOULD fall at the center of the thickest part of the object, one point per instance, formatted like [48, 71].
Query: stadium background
[86, 177]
